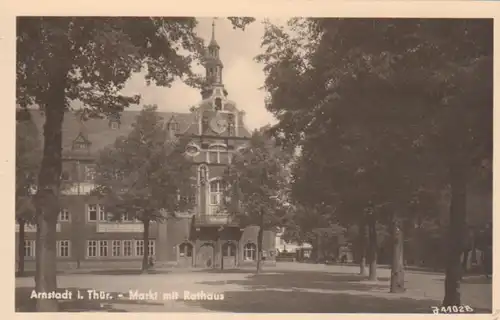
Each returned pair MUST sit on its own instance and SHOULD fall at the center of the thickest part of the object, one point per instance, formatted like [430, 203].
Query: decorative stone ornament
[192, 150]
[203, 175]
[218, 124]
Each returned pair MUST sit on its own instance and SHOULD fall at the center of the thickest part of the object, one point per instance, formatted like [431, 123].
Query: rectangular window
[92, 212]
[80, 145]
[63, 215]
[151, 247]
[223, 157]
[213, 157]
[63, 248]
[127, 217]
[139, 247]
[192, 199]
[127, 248]
[117, 248]
[103, 248]
[89, 173]
[214, 198]
[102, 213]
[92, 248]
[29, 248]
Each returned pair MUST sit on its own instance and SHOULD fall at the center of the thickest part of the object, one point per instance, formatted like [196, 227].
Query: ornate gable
[81, 142]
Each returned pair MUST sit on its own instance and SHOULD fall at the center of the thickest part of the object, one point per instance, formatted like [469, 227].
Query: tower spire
[213, 29]
[213, 42]
[213, 66]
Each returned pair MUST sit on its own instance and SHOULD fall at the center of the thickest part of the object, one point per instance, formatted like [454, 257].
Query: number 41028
[452, 309]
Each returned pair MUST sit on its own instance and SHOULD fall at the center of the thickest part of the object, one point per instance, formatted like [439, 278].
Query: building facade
[205, 237]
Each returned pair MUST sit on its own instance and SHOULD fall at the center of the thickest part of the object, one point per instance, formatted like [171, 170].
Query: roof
[99, 132]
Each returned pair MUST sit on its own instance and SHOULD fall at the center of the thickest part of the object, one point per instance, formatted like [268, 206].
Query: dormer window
[173, 126]
[114, 125]
[81, 143]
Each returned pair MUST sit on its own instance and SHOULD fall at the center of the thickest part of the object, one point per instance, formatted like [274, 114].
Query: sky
[242, 76]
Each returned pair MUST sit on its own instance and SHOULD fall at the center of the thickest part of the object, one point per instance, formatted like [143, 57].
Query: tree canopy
[145, 174]
[257, 181]
[89, 59]
[384, 112]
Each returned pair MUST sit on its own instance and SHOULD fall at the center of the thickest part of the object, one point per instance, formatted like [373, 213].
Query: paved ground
[288, 287]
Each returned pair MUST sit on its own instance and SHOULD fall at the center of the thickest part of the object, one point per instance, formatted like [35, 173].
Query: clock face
[219, 124]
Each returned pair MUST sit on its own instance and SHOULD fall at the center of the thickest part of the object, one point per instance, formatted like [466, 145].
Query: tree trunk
[221, 253]
[259, 243]
[47, 261]
[372, 248]
[397, 268]
[464, 262]
[20, 248]
[456, 233]
[474, 253]
[37, 250]
[362, 248]
[145, 238]
[47, 197]
[320, 249]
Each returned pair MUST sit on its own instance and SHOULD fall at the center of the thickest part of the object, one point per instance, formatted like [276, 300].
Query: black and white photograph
[239, 164]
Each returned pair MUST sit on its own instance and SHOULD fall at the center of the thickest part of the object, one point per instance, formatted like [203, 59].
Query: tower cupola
[213, 67]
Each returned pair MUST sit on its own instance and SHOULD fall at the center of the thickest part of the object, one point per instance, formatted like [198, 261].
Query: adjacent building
[204, 237]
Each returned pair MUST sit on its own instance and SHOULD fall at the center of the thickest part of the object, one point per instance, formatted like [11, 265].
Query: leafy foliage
[378, 137]
[257, 178]
[89, 59]
[145, 174]
[383, 111]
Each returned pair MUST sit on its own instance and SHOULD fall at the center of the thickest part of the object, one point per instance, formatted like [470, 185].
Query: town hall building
[205, 237]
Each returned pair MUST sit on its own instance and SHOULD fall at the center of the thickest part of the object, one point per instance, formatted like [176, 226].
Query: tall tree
[313, 225]
[61, 59]
[257, 180]
[415, 77]
[145, 175]
[28, 154]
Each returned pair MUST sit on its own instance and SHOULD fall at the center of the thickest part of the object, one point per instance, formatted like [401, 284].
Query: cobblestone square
[286, 288]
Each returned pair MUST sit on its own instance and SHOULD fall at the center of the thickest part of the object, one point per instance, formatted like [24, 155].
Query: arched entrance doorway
[229, 254]
[205, 256]
[185, 254]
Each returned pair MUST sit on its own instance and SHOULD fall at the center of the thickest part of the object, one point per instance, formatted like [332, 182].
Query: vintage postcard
[268, 160]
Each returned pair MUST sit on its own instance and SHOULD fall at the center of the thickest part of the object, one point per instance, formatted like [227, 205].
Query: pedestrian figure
[151, 261]
[343, 260]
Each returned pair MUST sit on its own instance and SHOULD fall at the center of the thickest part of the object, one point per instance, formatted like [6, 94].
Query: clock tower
[213, 69]
[217, 133]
